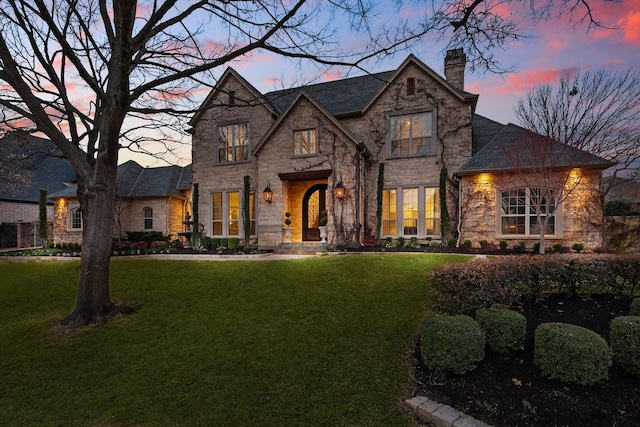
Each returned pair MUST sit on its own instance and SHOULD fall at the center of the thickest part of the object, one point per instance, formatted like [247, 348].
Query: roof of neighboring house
[510, 147]
[135, 181]
[622, 188]
[41, 164]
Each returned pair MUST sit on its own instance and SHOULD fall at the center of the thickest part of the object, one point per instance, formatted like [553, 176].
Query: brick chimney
[454, 65]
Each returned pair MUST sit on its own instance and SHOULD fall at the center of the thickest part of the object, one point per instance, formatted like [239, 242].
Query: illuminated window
[233, 143]
[524, 210]
[417, 209]
[147, 215]
[226, 214]
[411, 135]
[304, 142]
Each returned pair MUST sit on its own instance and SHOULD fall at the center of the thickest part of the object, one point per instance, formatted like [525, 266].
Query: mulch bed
[509, 390]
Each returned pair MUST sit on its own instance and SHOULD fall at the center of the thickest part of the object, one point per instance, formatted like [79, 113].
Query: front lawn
[320, 341]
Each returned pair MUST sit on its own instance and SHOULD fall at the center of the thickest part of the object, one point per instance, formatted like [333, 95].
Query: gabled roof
[231, 73]
[134, 181]
[304, 94]
[507, 148]
[43, 165]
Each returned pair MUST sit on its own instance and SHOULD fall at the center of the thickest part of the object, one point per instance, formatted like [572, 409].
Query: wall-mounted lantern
[339, 191]
[267, 194]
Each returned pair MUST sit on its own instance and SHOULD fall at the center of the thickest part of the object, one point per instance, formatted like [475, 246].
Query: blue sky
[554, 48]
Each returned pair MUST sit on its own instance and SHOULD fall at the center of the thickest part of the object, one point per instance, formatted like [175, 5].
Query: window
[75, 215]
[411, 135]
[411, 212]
[233, 143]
[147, 216]
[304, 142]
[226, 214]
[411, 86]
[519, 208]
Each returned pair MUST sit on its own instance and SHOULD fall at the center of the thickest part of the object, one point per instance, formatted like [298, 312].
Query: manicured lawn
[314, 342]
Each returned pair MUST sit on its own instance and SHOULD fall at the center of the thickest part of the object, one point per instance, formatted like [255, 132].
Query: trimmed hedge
[451, 343]
[463, 288]
[505, 329]
[571, 353]
[624, 334]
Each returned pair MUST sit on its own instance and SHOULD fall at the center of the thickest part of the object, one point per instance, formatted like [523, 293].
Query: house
[30, 164]
[371, 151]
[149, 199]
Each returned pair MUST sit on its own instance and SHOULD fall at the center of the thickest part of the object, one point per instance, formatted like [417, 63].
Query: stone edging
[441, 415]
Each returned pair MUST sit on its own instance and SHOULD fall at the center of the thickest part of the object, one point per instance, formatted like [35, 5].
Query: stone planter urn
[287, 234]
[323, 233]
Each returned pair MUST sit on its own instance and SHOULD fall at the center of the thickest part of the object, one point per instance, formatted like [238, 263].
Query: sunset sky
[553, 48]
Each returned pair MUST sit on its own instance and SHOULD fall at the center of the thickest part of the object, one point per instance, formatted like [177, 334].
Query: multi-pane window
[147, 215]
[411, 135]
[411, 212]
[226, 214]
[524, 210]
[233, 143]
[76, 218]
[304, 142]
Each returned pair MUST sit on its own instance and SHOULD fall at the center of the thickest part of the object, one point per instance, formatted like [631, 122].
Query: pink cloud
[332, 76]
[273, 80]
[632, 28]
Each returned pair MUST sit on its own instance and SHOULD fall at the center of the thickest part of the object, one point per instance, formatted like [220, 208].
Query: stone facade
[351, 147]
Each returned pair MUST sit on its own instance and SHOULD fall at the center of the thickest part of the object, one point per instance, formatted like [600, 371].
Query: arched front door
[313, 202]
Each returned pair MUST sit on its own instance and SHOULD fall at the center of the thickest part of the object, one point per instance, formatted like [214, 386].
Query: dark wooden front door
[313, 202]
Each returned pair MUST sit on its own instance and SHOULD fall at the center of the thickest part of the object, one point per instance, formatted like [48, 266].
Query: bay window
[411, 212]
[226, 214]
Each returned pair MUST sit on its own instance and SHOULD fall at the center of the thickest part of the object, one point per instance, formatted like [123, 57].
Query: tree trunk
[93, 302]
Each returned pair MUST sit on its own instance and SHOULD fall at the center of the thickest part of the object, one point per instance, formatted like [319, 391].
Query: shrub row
[220, 244]
[463, 288]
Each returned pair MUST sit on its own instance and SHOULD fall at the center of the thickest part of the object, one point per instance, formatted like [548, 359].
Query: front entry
[314, 202]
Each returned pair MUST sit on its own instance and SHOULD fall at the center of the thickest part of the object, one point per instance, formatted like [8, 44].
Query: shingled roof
[135, 181]
[498, 147]
[43, 166]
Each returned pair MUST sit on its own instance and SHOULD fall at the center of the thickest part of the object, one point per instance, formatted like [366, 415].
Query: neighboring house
[623, 189]
[370, 151]
[36, 164]
[148, 199]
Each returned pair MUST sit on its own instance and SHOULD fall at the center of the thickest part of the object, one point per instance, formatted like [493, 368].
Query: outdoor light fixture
[267, 194]
[339, 192]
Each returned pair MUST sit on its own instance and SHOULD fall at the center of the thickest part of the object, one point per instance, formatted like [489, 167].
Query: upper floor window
[233, 143]
[304, 142]
[523, 211]
[75, 215]
[147, 216]
[411, 135]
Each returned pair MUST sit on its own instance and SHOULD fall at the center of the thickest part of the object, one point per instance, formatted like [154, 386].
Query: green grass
[314, 342]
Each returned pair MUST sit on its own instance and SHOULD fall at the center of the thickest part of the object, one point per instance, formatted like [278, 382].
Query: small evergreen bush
[578, 247]
[206, 242]
[234, 243]
[571, 353]
[401, 241]
[624, 334]
[505, 329]
[634, 308]
[451, 343]
[503, 245]
[224, 243]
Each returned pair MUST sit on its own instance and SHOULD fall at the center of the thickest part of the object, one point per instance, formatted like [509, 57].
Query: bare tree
[85, 72]
[596, 111]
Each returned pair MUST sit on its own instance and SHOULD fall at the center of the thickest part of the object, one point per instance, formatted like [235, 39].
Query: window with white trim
[304, 142]
[519, 208]
[75, 219]
[411, 212]
[226, 214]
[147, 216]
[233, 143]
[411, 135]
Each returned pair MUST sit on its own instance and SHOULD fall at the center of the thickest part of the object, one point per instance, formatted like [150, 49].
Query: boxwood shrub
[505, 329]
[624, 335]
[452, 344]
[634, 308]
[571, 353]
[463, 288]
